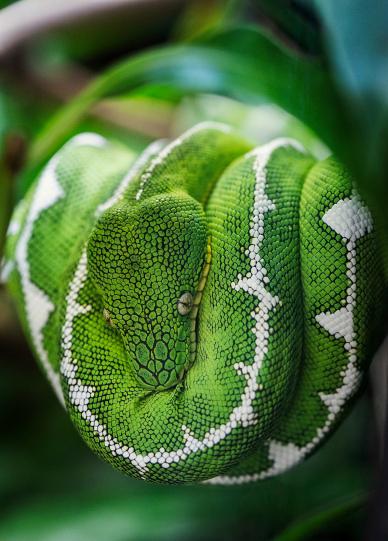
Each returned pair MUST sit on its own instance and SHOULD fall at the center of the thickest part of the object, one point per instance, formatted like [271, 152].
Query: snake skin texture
[206, 312]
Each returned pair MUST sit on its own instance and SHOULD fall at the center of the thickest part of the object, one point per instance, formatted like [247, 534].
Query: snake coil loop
[205, 312]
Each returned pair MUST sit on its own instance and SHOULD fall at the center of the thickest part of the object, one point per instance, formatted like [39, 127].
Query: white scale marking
[151, 150]
[241, 415]
[352, 220]
[174, 144]
[6, 267]
[13, 228]
[37, 303]
[5, 270]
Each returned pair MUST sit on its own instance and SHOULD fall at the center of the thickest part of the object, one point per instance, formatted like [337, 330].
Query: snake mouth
[197, 301]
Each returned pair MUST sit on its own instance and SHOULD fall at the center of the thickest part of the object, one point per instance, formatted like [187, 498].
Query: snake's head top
[146, 262]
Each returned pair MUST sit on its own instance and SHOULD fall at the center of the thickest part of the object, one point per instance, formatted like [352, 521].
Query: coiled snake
[204, 313]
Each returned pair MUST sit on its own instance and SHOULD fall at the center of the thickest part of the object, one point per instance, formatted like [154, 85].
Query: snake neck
[197, 301]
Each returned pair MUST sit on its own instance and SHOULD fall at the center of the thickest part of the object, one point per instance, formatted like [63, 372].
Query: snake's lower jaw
[159, 356]
[158, 382]
[156, 369]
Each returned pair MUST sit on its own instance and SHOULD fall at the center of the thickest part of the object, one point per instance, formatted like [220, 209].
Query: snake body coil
[206, 312]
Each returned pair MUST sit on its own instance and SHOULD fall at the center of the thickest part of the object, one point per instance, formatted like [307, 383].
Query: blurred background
[313, 70]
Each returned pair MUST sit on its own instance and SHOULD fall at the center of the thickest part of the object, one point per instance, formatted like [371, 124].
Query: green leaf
[295, 20]
[355, 34]
[304, 528]
[356, 42]
[244, 63]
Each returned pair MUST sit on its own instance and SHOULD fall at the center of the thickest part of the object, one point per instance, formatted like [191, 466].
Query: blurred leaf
[356, 38]
[5, 3]
[92, 30]
[357, 44]
[296, 20]
[164, 92]
[201, 16]
[243, 62]
[12, 135]
[260, 124]
[11, 115]
[316, 521]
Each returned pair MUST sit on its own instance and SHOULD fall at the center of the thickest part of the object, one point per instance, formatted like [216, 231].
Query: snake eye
[107, 317]
[185, 304]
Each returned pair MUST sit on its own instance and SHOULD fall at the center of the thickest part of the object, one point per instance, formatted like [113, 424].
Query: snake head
[146, 261]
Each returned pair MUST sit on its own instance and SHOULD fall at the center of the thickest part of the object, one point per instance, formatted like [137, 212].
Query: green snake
[205, 312]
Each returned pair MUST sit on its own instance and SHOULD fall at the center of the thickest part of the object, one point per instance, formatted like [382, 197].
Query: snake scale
[205, 312]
